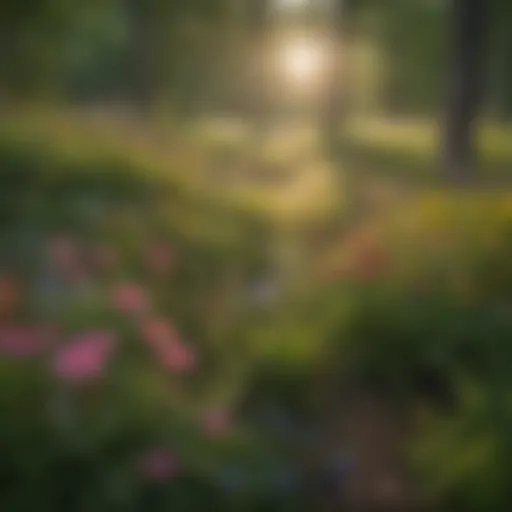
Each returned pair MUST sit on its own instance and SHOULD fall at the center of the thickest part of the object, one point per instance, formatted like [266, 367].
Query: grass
[284, 181]
[408, 150]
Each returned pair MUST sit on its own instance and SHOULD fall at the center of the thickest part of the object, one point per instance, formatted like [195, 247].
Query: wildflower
[160, 258]
[216, 421]
[158, 464]
[9, 296]
[85, 356]
[365, 256]
[25, 341]
[65, 256]
[369, 264]
[130, 298]
[104, 257]
[159, 332]
[62, 250]
[173, 353]
[178, 356]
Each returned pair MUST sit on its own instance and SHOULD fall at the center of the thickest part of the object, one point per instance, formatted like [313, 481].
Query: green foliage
[79, 446]
[405, 151]
[38, 34]
[433, 323]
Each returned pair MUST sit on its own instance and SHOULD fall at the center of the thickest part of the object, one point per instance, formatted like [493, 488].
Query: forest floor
[407, 150]
[287, 178]
[289, 169]
[380, 163]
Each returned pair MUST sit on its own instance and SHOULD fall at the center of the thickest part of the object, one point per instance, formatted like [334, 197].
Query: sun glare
[291, 5]
[302, 61]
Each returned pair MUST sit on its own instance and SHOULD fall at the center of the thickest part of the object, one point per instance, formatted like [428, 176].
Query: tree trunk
[144, 68]
[258, 104]
[506, 80]
[335, 106]
[469, 36]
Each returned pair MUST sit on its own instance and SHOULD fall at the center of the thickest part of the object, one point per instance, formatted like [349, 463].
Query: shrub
[427, 293]
[125, 341]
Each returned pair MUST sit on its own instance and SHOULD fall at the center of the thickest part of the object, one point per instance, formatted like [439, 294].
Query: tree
[335, 105]
[258, 24]
[35, 38]
[411, 80]
[469, 31]
[501, 60]
[162, 33]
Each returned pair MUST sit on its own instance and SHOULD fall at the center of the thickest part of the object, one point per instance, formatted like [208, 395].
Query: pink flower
[370, 264]
[177, 356]
[160, 258]
[366, 256]
[162, 337]
[62, 250]
[10, 295]
[159, 332]
[25, 341]
[216, 422]
[85, 356]
[104, 257]
[130, 298]
[158, 464]
[64, 254]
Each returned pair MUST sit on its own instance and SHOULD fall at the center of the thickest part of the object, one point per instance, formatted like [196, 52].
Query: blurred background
[255, 255]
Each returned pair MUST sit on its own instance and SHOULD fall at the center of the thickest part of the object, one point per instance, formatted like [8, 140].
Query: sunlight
[302, 61]
[291, 5]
